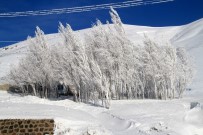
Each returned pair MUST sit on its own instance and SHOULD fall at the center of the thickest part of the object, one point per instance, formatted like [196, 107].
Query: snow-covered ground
[125, 117]
[140, 117]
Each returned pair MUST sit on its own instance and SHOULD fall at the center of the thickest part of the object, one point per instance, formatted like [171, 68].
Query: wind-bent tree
[102, 65]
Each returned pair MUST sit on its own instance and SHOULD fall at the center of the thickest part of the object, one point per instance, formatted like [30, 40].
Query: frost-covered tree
[101, 65]
[160, 69]
[35, 69]
[185, 71]
[115, 18]
[75, 69]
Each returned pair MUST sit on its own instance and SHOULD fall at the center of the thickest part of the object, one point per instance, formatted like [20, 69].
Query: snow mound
[195, 116]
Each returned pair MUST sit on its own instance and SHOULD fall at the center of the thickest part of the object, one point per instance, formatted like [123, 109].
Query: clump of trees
[103, 65]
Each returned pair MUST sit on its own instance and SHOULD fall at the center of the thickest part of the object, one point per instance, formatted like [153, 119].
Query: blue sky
[174, 13]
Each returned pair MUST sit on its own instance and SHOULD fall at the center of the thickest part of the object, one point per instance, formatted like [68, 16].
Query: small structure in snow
[194, 104]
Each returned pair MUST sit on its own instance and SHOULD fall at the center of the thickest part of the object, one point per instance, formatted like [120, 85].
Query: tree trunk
[34, 90]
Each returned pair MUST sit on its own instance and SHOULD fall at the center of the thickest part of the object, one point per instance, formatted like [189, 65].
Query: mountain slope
[191, 37]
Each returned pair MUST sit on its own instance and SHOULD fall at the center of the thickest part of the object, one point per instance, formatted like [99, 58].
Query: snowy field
[125, 117]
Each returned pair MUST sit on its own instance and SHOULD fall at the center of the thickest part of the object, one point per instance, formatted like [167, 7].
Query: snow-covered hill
[141, 117]
[191, 37]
